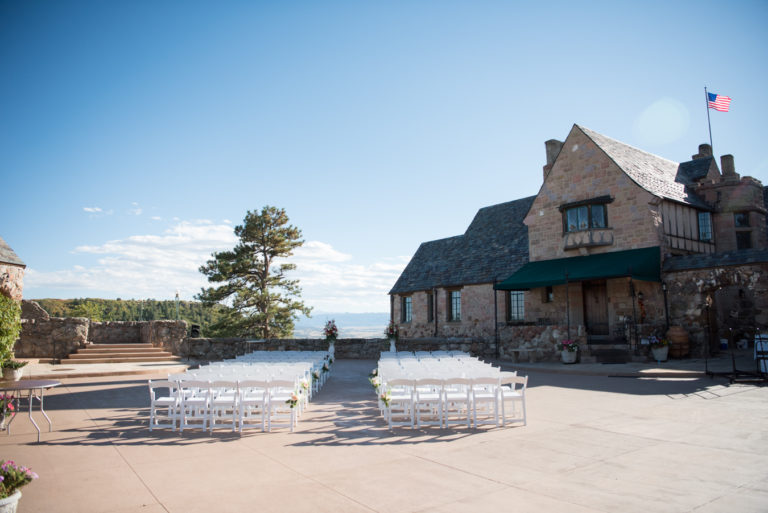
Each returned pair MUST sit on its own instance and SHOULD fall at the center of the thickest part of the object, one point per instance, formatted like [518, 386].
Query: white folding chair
[400, 402]
[514, 394]
[428, 402]
[457, 402]
[223, 405]
[163, 407]
[195, 400]
[279, 411]
[253, 402]
[485, 400]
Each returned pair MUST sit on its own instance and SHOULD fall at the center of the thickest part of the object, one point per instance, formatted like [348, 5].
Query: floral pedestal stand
[9, 504]
[568, 356]
[331, 347]
[392, 347]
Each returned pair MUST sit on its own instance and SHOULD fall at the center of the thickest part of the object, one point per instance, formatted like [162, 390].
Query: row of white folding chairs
[426, 368]
[222, 403]
[496, 400]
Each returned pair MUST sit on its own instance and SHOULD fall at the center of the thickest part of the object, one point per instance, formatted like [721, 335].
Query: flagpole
[706, 103]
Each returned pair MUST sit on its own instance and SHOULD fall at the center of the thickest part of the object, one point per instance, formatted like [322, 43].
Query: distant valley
[350, 325]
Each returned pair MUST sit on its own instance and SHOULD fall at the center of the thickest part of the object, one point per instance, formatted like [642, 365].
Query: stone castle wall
[11, 281]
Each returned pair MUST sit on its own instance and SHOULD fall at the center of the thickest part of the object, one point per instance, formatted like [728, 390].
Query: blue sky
[135, 135]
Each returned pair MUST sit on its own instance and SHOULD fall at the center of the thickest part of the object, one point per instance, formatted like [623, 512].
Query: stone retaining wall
[739, 304]
[524, 343]
[43, 336]
[55, 337]
[115, 332]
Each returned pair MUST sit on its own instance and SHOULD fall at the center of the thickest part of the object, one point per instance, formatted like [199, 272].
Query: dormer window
[585, 215]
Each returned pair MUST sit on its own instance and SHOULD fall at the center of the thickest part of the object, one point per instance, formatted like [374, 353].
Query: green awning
[640, 264]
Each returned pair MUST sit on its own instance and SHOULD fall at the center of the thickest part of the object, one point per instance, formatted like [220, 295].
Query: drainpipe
[666, 305]
[496, 318]
[633, 335]
[434, 308]
[391, 308]
[567, 306]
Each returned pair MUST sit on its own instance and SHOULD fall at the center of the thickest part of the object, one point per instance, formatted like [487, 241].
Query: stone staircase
[120, 353]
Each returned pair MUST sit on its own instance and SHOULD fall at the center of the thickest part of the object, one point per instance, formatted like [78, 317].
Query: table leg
[42, 410]
[30, 397]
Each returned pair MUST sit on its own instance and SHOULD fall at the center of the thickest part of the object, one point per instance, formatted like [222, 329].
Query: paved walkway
[592, 444]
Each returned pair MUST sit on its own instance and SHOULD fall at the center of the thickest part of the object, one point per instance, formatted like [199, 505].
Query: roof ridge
[589, 132]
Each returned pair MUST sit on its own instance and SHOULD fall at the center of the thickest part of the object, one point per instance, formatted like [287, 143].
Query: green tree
[90, 309]
[10, 327]
[264, 302]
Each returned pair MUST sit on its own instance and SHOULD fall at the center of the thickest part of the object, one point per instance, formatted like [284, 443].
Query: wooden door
[595, 308]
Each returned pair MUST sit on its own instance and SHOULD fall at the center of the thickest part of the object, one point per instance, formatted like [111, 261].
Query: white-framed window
[454, 305]
[406, 312]
[516, 306]
[705, 226]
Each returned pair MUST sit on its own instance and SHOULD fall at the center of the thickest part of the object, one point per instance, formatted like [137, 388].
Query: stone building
[11, 272]
[618, 244]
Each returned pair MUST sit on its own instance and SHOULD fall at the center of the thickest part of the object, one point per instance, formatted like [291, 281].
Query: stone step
[118, 354]
[78, 361]
[112, 346]
[104, 350]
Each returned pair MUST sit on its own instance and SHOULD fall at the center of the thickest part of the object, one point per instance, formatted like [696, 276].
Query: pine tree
[264, 302]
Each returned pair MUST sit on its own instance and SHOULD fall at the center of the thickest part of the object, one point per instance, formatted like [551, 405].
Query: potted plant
[12, 477]
[569, 351]
[659, 348]
[391, 333]
[10, 327]
[331, 333]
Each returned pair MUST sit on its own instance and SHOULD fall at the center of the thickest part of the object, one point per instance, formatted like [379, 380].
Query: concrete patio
[593, 443]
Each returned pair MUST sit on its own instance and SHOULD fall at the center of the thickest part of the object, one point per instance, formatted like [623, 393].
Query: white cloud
[135, 209]
[155, 265]
[156, 218]
[92, 210]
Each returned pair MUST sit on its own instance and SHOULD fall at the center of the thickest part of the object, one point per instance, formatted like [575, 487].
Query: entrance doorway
[595, 298]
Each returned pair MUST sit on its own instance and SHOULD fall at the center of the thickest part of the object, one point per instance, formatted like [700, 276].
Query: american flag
[718, 102]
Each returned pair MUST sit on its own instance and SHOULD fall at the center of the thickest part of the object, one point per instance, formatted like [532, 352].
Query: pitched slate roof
[494, 246]
[702, 261]
[655, 174]
[7, 256]
[690, 172]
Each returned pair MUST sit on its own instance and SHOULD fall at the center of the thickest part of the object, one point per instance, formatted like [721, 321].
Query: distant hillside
[98, 309]
[351, 325]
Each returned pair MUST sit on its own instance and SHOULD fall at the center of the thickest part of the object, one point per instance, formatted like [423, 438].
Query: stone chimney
[553, 147]
[728, 167]
[705, 150]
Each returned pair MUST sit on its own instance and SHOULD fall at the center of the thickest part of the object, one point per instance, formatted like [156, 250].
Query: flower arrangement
[293, 401]
[6, 403]
[385, 397]
[326, 368]
[391, 330]
[304, 385]
[315, 376]
[330, 331]
[12, 477]
[656, 342]
[569, 345]
[375, 382]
